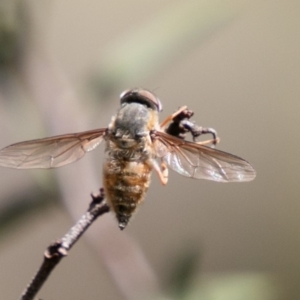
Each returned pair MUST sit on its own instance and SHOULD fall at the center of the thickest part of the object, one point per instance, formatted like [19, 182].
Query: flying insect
[136, 144]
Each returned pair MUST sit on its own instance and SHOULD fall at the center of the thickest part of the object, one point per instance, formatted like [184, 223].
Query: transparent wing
[201, 162]
[50, 152]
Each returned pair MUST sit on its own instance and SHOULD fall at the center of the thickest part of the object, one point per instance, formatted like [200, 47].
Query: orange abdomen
[125, 183]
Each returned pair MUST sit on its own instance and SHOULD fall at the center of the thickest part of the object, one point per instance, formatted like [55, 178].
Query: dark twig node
[55, 250]
[59, 249]
[97, 198]
[176, 127]
[181, 125]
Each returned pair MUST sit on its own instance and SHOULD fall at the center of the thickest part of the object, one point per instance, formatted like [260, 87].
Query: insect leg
[171, 117]
[162, 171]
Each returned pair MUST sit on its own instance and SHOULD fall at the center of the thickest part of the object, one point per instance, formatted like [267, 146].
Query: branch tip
[98, 198]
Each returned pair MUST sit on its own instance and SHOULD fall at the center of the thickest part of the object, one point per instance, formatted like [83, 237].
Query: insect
[136, 144]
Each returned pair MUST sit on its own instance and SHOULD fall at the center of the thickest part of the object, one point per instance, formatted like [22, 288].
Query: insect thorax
[128, 132]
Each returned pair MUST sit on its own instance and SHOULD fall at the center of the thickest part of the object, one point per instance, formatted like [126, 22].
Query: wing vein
[199, 161]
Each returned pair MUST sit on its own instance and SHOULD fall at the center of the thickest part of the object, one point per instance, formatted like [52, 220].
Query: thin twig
[59, 249]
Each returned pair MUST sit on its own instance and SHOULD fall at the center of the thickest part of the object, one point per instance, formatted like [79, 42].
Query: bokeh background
[63, 65]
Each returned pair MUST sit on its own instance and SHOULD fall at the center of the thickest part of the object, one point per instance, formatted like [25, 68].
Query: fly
[136, 144]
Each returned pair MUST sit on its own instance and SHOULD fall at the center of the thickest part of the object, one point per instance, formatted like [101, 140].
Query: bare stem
[59, 249]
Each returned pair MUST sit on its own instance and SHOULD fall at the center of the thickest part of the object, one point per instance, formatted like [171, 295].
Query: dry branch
[59, 249]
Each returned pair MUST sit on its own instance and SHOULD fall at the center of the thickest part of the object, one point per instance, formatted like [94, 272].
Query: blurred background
[236, 64]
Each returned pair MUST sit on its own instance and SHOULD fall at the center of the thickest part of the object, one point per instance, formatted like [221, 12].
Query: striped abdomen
[126, 183]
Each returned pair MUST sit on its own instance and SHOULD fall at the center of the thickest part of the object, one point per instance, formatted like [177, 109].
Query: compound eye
[151, 98]
[125, 94]
[141, 96]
